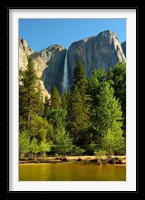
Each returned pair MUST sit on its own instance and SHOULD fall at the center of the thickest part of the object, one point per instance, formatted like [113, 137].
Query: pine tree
[78, 110]
[55, 100]
[34, 147]
[46, 106]
[44, 147]
[119, 85]
[94, 85]
[108, 113]
[113, 142]
[79, 79]
[30, 102]
[39, 128]
[65, 100]
[63, 142]
[57, 118]
[39, 100]
[110, 76]
[76, 121]
[24, 143]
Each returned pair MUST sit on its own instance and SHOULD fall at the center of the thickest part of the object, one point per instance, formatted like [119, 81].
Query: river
[71, 172]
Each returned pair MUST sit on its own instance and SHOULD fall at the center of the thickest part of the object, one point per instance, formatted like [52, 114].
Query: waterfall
[65, 74]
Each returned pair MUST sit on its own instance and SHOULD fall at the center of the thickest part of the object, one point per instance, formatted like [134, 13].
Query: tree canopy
[90, 118]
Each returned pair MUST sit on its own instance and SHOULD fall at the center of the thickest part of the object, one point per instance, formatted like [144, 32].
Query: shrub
[78, 151]
[99, 153]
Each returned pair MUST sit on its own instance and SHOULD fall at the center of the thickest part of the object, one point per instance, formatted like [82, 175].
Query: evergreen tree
[55, 100]
[78, 110]
[63, 142]
[24, 143]
[65, 100]
[39, 101]
[76, 119]
[57, 118]
[44, 147]
[119, 85]
[39, 128]
[113, 141]
[108, 113]
[30, 97]
[110, 75]
[34, 147]
[94, 85]
[79, 79]
[46, 106]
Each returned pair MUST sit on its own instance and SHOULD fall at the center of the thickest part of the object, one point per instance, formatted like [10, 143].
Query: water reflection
[71, 172]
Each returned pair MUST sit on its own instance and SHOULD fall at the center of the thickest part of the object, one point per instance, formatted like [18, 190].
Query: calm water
[71, 172]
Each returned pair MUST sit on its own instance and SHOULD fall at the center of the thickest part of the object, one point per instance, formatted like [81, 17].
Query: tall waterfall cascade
[65, 74]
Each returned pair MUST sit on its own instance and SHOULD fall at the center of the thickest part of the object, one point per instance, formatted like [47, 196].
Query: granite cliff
[101, 51]
[124, 47]
[24, 52]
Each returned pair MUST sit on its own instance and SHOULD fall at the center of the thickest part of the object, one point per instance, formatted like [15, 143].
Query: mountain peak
[101, 51]
[107, 32]
[108, 35]
[24, 45]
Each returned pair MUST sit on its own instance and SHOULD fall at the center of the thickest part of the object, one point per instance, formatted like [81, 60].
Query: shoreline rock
[78, 159]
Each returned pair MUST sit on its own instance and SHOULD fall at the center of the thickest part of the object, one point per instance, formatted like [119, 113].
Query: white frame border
[130, 183]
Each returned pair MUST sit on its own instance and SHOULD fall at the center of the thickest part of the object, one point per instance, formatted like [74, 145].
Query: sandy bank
[78, 159]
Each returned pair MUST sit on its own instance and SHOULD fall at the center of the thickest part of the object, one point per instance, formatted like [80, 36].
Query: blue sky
[41, 33]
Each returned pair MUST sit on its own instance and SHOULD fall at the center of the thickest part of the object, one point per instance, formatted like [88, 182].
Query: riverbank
[78, 159]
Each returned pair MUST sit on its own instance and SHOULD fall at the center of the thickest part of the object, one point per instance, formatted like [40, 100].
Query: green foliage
[34, 147]
[90, 149]
[119, 85]
[39, 127]
[94, 85]
[78, 151]
[100, 152]
[24, 143]
[30, 98]
[62, 141]
[44, 147]
[117, 78]
[46, 106]
[87, 119]
[110, 75]
[108, 112]
[39, 101]
[57, 117]
[113, 141]
[79, 79]
[65, 100]
[80, 83]
[78, 109]
[55, 100]
[27, 92]
[76, 123]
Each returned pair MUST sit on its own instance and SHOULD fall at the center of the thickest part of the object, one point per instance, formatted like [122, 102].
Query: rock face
[53, 73]
[39, 64]
[49, 65]
[101, 51]
[124, 47]
[24, 52]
